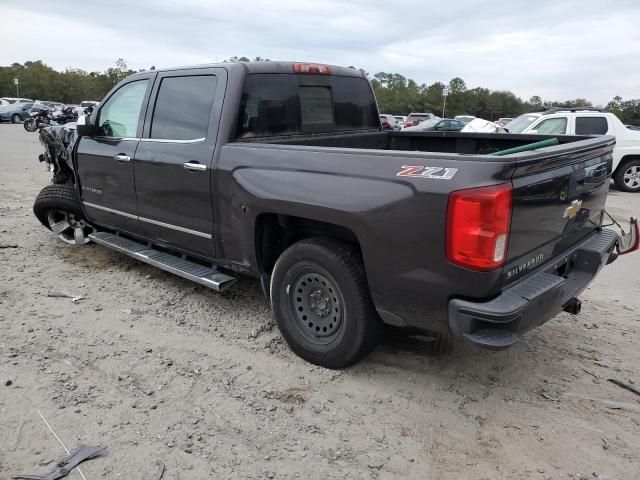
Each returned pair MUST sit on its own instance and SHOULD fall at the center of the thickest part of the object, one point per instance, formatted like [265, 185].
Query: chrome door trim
[149, 220]
[166, 140]
[175, 227]
[110, 210]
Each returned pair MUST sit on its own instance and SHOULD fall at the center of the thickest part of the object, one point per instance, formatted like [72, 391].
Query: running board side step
[207, 276]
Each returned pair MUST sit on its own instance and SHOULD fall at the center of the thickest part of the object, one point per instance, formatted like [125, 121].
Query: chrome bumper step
[207, 276]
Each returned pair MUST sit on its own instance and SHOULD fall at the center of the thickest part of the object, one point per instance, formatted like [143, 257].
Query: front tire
[59, 209]
[322, 305]
[30, 125]
[627, 176]
[15, 118]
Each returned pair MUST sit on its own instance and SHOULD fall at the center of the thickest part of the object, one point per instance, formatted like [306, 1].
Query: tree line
[399, 95]
[395, 93]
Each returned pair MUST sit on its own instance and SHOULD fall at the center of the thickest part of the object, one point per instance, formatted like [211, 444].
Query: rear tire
[58, 208]
[627, 175]
[322, 305]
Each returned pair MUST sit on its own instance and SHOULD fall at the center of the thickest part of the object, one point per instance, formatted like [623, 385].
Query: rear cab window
[275, 104]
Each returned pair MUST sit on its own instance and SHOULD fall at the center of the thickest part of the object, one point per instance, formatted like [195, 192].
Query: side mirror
[85, 126]
[533, 132]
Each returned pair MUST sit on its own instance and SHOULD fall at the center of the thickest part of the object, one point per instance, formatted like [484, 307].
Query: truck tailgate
[557, 201]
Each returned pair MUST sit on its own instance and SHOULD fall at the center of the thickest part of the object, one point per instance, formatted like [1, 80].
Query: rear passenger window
[591, 125]
[182, 108]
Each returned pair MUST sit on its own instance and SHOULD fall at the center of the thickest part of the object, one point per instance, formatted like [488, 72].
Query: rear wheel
[58, 208]
[15, 118]
[322, 304]
[627, 176]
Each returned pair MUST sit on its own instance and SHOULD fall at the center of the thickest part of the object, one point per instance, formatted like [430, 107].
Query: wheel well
[625, 159]
[274, 233]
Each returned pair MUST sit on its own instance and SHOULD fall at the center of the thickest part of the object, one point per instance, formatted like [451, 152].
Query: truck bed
[440, 142]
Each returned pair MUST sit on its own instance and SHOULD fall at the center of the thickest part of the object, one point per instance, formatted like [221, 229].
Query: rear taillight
[311, 68]
[478, 223]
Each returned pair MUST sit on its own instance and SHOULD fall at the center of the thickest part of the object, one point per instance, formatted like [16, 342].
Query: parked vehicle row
[17, 110]
[437, 124]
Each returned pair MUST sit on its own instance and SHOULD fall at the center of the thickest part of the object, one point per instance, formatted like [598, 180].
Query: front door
[174, 159]
[105, 161]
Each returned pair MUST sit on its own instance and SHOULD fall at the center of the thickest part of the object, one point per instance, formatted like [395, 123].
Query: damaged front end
[59, 142]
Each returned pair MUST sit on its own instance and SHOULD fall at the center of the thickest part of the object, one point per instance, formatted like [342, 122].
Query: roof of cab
[266, 67]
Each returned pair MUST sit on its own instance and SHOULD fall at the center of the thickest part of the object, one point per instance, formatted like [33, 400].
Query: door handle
[194, 166]
[122, 158]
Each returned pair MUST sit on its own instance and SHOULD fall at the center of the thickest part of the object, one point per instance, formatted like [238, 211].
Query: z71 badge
[420, 171]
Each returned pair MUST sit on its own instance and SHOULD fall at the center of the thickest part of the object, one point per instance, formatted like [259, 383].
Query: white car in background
[590, 121]
[464, 118]
[11, 100]
[401, 119]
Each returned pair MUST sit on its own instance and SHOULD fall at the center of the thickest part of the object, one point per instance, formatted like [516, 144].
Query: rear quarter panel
[399, 221]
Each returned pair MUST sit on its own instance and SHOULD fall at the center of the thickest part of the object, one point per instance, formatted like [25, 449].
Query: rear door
[105, 161]
[174, 159]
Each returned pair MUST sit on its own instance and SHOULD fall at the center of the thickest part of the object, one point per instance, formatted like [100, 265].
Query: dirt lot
[156, 368]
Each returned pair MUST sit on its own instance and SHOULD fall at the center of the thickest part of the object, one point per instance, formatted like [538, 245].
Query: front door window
[120, 115]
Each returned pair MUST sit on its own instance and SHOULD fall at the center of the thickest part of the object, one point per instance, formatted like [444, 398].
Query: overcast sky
[557, 49]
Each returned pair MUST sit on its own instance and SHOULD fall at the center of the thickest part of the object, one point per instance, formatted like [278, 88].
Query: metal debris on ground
[67, 464]
[624, 385]
[160, 465]
[74, 298]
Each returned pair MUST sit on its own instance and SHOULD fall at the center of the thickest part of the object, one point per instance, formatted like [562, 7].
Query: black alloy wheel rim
[318, 306]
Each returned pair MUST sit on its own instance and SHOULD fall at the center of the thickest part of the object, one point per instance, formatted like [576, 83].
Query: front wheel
[627, 176]
[30, 125]
[59, 209]
[322, 304]
[15, 118]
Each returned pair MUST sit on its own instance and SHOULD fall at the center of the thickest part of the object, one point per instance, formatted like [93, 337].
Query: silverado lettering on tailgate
[420, 171]
[525, 266]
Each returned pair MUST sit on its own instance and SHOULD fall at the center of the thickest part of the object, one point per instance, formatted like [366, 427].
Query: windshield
[518, 125]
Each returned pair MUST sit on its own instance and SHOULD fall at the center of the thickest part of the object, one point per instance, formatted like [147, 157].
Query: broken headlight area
[58, 143]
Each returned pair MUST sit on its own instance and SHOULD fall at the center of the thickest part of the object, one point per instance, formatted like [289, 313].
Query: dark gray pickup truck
[281, 171]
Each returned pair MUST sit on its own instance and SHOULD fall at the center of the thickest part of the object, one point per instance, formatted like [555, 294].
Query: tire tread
[56, 197]
[349, 259]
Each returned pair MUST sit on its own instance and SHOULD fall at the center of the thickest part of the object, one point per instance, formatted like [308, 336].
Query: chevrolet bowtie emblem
[572, 210]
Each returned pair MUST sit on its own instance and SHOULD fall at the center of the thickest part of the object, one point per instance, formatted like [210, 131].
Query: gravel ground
[157, 368]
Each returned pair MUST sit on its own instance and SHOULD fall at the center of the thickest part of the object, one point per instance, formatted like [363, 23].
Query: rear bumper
[534, 300]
